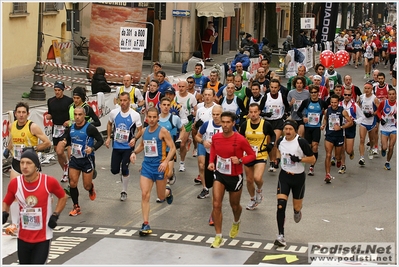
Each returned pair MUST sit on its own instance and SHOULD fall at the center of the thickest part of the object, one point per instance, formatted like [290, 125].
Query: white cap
[317, 77]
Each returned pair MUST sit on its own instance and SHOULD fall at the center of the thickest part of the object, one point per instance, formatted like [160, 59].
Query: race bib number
[313, 118]
[150, 148]
[275, 109]
[223, 165]
[59, 130]
[17, 151]
[198, 88]
[32, 218]
[390, 120]
[286, 160]
[121, 136]
[332, 121]
[77, 151]
[297, 104]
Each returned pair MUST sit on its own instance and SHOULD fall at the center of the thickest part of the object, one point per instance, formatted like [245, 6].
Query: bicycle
[82, 48]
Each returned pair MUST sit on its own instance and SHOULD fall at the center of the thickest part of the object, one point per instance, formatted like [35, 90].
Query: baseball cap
[374, 35]
[60, 85]
[170, 90]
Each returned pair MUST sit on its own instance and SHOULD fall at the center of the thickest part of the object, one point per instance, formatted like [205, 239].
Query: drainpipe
[174, 35]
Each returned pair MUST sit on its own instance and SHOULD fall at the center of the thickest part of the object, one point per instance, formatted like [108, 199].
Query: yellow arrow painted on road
[288, 258]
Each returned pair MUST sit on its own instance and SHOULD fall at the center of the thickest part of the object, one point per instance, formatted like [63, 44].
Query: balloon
[392, 33]
[327, 58]
[341, 59]
[388, 28]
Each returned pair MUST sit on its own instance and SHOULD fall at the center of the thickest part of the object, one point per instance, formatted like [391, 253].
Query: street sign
[133, 39]
[181, 13]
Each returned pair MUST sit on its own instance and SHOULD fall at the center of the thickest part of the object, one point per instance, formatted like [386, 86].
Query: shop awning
[215, 9]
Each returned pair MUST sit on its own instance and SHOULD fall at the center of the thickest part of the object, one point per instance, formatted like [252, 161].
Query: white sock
[14, 210]
[125, 182]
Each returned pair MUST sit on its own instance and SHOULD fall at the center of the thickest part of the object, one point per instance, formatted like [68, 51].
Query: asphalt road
[359, 206]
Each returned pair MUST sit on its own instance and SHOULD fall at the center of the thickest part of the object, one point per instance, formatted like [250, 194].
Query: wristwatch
[240, 160]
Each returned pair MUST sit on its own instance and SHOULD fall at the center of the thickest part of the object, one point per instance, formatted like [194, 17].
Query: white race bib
[313, 118]
[77, 151]
[150, 148]
[32, 218]
[121, 136]
[223, 165]
[286, 160]
[332, 121]
[17, 151]
[59, 130]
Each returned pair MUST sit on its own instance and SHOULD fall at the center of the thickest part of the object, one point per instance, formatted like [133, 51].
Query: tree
[271, 24]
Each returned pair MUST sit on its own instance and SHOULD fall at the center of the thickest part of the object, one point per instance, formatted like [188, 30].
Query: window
[19, 8]
[50, 6]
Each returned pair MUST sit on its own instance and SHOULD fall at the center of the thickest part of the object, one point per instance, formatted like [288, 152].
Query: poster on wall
[105, 26]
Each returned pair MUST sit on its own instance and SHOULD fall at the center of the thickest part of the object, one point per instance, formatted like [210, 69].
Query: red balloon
[327, 58]
[342, 58]
[388, 28]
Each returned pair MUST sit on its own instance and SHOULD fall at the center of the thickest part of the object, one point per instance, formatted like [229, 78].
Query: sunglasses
[347, 94]
[190, 82]
[314, 92]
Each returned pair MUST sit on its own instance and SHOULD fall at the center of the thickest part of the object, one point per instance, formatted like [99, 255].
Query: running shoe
[169, 198]
[339, 164]
[333, 161]
[272, 169]
[371, 154]
[204, 194]
[12, 230]
[92, 193]
[159, 200]
[387, 166]
[352, 155]
[375, 151]
[342, 170]
[362, 162]
[123, 196]
[75, 210]
[145, 229]
[297, 216]
[328, 178]
[258, 196]
[251, 204]
[197, 180]
[280, 241]
[210, 221]
[172, 180]
[217, 242]
[383, 152]
[182, 168]
[234, 230]
[311, 171]
[195, 153]
[64, 178]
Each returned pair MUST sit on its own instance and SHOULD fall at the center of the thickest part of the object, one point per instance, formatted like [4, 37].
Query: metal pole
[37, 91]
[153, 29]
[181, 29]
